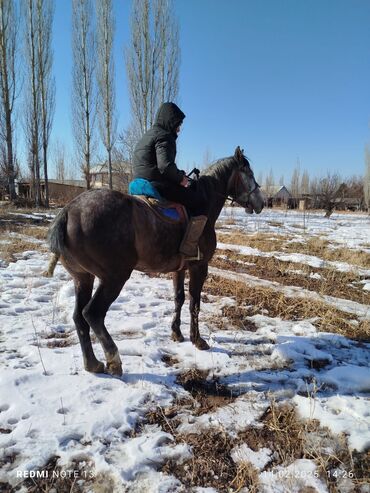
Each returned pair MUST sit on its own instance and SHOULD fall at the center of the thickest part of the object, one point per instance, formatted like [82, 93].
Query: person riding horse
[154, 160]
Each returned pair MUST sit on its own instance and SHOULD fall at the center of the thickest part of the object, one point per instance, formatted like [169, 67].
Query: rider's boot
[189, 245]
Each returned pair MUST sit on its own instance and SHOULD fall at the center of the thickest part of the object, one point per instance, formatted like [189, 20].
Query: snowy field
[130, 434]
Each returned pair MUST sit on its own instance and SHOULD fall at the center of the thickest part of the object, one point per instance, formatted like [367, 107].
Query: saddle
[167, 211]
[171, 212]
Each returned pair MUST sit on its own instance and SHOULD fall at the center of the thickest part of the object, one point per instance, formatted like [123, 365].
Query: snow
[302, 473]
[350, 378]
[349, 306]
[51, 406]
[258, 459]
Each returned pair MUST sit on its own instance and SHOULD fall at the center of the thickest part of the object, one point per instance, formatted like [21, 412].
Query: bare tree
[281, 180]
[83, 89]
[152, 59]
[355, 187]
[328, 190]
[294, 182]
[59, 155]
[305, 183]
[32, 112]
[105, 77]
[269, 183]
[169, 59]
[207, 157]
[46, 81]
[367, 178]
[127, 140]
[8, 86]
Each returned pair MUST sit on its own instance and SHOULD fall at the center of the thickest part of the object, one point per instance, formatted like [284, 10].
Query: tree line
[152, 61]
[324, 190]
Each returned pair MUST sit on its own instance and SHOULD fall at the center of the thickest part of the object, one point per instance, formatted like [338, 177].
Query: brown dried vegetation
[211, 464]
[255, 300]
[332, 282]
[310, 245]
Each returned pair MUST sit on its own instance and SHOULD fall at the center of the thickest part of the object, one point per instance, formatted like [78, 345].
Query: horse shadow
[321, 365]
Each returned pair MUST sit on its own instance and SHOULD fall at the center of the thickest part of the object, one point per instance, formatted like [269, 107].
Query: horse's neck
[219, 193]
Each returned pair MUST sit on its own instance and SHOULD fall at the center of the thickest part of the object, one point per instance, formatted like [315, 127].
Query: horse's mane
[219, 168]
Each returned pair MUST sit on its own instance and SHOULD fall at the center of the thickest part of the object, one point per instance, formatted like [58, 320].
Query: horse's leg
[83, 290]
[178, 286]
[95, 313]
[198, 275]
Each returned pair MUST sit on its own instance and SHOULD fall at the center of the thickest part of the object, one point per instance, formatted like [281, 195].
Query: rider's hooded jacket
[155, 153]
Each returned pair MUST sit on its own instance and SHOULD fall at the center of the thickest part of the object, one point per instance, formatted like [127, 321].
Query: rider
[154, 160]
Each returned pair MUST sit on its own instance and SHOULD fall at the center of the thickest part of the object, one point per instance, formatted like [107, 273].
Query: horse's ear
[238, 154]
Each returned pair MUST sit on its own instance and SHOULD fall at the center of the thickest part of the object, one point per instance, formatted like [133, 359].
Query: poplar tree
[83, 83]
[105, 77]
[152, 60]
[32, 105]
[367, 178]
[46, 80]
[9, 80]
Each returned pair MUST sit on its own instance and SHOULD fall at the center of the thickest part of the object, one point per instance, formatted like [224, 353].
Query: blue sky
[286, 80]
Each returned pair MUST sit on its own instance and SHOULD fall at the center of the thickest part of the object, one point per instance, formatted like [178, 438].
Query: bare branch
[105, 77]
[9, 80]
[83, 88]
[152, 59]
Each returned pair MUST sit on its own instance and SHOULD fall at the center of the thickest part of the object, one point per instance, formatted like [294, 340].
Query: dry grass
[291, 438]
[280, 430]
[211, 464]
[321, 248]
[17, 245]
[26, 229]
[208, 393]
[326, 317]
[266, 242]
[315, 246]
[332, 282]
[233, 316]
[79, 477]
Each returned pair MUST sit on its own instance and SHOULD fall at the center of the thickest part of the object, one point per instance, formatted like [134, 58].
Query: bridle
[237, 179]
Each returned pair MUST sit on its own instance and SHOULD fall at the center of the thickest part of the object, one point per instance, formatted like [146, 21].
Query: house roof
[75, 183]
[116, 167]
[274, 189]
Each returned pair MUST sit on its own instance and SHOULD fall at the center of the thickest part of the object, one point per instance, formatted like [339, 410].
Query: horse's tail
[57, 232]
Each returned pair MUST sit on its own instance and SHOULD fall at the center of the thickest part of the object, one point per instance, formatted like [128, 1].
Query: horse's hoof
[97, 367]
[201, 344]
[114, 369]
[177, 337]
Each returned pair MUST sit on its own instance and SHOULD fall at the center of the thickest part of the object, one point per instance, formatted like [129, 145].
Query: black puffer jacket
[155, 153]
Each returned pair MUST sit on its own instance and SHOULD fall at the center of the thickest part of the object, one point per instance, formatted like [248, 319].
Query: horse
[106, 234]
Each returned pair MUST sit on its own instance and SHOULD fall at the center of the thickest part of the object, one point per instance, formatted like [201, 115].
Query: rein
[236, 180]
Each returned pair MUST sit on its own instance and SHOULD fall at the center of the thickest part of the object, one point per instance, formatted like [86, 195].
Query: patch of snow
[258, 459]
[294, 478]
[349, 378]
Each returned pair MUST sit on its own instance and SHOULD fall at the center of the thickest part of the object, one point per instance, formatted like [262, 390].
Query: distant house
[349, 198]
[276, 195]
[121, 175]
[60, 191]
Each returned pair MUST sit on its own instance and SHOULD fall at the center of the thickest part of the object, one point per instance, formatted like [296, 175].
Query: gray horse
[107, 234]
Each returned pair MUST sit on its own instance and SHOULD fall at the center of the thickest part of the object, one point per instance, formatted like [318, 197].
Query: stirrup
[192, 258]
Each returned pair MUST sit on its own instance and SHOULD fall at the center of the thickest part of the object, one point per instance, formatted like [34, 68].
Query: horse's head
[242, 186]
